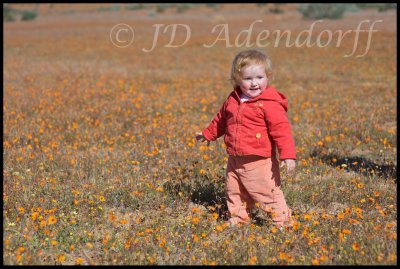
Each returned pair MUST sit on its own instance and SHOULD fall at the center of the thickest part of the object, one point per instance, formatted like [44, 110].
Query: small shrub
[160, 8]
[8, 13]
[135, 6]
[110, 8]
[28, 15]
[352, 8]
[387, 6]
[212, 5]
[276, 10]
[322, 11]
[183, 7]
[380, 7]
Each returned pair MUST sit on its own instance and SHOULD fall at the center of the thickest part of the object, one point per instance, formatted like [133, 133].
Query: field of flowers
[100, 162]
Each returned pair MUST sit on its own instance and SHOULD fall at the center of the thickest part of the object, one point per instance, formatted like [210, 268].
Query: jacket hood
[269, 94]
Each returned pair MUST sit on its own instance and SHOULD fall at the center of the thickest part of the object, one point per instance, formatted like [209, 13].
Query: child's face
[253, 80]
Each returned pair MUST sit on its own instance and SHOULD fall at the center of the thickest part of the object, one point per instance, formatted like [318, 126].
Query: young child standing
[254, 123]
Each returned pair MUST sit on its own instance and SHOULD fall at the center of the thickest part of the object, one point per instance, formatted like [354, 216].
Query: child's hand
[290, 165]
[200, 136]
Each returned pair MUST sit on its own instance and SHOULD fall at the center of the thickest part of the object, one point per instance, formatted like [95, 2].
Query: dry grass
[100, 163]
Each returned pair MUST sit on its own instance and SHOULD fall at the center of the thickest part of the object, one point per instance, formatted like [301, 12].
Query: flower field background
[100, 163]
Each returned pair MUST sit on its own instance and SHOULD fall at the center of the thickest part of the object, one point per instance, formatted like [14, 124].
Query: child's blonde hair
[246, 58]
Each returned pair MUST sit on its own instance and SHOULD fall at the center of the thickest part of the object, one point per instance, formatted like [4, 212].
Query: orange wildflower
[51, 220]
[296, 225]
[315, 261]
[252, 260]
[79, 261]
[340, 216]
[34, 215]
[61, 258]
[123, 221]
[346, 231]
[355, 246]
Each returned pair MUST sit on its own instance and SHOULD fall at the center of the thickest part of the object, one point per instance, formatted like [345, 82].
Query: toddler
[254, 123]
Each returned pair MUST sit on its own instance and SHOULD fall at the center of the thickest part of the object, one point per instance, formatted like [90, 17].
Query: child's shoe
[235, 221]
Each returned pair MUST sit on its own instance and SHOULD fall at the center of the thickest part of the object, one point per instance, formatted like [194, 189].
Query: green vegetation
[336, 11]
[322, 11]
[28, 15]
[10, 14]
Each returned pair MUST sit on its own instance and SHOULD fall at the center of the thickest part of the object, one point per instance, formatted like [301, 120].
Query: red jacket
[255, 126]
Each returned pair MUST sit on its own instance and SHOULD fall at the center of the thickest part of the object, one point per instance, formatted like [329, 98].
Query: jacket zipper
[237, 127]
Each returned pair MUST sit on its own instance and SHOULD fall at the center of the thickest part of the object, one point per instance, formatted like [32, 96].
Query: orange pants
[254, 179]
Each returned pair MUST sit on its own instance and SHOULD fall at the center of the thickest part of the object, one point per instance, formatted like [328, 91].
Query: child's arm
[200, 136]
[216, 128]
[290, 164]
[279, 129]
